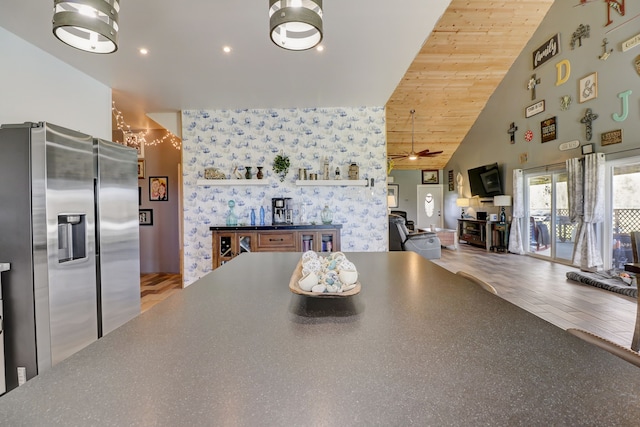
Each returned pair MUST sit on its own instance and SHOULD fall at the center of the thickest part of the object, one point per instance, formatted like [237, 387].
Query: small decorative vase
[260, 175]
[247, 174]
[326, 215]
[232, 219]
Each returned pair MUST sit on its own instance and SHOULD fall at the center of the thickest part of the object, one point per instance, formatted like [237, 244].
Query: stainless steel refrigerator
[69, 228]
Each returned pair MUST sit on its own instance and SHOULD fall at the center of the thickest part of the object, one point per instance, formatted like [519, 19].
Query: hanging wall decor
[548, 50]
[548, 129]
[582, 32]
[611, 137]
[632, 42]
[531, 85]
[605, 52]
[512, 132]
[528, 135]
[587, 120]
[615, 5]
[637, 64]
[624, 97]
[534, 109]
[563, 72]
[588, 88]
[565, 102]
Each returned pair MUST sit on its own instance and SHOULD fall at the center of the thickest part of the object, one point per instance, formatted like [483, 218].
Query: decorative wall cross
[587, 120]
[533, 82]
[582, 32]
[512, 131]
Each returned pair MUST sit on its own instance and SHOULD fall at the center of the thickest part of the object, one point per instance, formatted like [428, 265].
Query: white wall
[224, 139]
[35, 86]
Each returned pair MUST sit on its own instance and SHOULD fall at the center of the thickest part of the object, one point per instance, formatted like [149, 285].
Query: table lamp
[502, 201]
[463, 203]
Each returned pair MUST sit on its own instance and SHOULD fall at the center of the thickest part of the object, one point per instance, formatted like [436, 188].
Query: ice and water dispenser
[72, 237]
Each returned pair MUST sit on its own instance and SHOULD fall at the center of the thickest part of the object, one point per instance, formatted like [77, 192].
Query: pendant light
[89, 25]
[295, 24]
[412, 155]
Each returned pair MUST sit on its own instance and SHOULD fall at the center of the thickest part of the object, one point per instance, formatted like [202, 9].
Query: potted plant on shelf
[281, 165]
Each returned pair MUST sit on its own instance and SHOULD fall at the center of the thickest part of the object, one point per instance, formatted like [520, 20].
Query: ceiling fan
[413, 155]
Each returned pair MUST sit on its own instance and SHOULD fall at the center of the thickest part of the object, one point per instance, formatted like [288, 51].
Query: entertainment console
[485, 234]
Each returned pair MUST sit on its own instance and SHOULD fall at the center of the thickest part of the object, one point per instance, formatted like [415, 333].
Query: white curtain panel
[516, 244]
[586, 252]
[575, 190]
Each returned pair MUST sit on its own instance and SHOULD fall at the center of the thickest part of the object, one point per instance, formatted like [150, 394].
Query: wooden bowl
[295, 288]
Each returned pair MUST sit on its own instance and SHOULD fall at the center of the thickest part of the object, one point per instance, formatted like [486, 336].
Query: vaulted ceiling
[457, 69]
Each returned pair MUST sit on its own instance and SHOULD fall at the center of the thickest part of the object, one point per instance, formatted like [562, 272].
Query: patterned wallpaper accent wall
[226, 139]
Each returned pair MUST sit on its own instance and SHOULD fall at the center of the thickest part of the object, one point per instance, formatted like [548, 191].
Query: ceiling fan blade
[397, 156]
[427, 153]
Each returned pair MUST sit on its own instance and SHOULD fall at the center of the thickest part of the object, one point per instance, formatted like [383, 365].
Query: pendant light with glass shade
[89, 25]
[295, 24]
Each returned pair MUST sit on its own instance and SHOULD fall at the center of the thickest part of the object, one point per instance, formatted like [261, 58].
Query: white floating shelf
[230, 182]
[332, 182]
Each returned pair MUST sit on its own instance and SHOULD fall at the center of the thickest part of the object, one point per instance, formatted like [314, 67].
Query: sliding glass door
[625, 209]
[551, 233]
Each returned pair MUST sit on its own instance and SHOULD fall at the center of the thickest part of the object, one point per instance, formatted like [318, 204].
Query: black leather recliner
[407, 222]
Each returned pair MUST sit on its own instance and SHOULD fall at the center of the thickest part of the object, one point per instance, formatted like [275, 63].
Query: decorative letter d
[567, 66]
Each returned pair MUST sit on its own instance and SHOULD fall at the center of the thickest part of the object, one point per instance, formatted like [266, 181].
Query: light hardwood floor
[541, 287]
[157, 287]
[536, 285]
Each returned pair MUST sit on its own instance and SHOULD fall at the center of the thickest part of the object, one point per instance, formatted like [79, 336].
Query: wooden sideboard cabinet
[486, 234]
[229, 242]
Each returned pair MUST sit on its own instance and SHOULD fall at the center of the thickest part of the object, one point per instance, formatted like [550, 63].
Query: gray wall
[488, 140]
[159, 243]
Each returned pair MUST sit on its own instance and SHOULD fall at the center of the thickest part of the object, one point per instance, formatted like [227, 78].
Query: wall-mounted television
[485, 181]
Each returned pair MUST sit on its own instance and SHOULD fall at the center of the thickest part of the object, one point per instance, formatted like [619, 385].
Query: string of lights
[136, 138]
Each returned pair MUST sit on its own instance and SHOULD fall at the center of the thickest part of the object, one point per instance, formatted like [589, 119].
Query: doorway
[551, 232]
[429, 211]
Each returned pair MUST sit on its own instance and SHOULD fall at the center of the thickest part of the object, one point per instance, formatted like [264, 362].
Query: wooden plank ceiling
[457, 69]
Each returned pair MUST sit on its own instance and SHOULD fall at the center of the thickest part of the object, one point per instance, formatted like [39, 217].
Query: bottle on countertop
[253, 216]
[261, 215]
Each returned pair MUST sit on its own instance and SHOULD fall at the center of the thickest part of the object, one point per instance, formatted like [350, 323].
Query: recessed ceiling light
[226, 49]
[320, 48]
[143, 51]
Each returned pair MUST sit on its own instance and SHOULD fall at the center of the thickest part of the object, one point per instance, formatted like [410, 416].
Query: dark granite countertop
[275, 227]
[417, 346]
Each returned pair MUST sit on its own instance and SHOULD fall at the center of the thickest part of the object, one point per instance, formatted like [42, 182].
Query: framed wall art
[140, 168]
[145, 216]
[158, 188]
[393, 194]
[548, 129]
[430, 176]
[588, 87]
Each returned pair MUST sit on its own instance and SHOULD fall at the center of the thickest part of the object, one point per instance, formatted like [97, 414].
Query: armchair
[426, 244]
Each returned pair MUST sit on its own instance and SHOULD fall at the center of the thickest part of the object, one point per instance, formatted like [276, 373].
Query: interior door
[429, 206]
